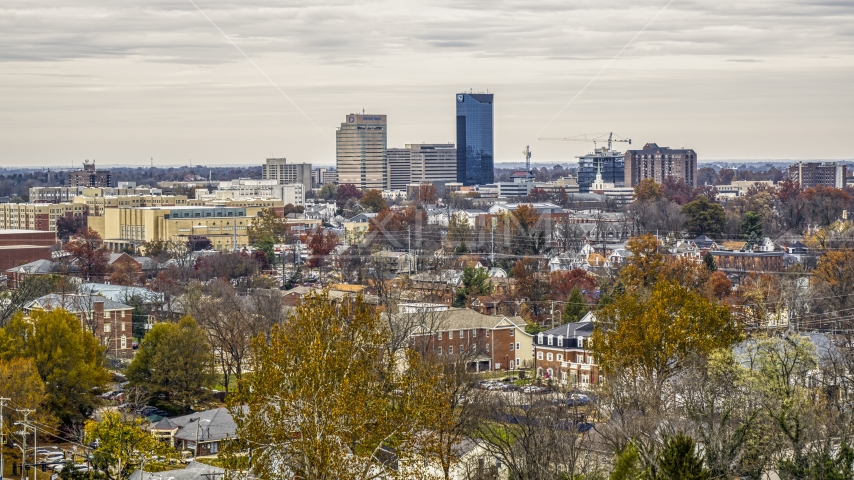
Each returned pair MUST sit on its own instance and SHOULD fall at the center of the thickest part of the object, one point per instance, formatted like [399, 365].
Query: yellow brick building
[225, 227]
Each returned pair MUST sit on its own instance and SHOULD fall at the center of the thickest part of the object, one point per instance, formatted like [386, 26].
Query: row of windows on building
[584, 378]
[551, 339]
[123, 341]
[461, 333]
[579, 358]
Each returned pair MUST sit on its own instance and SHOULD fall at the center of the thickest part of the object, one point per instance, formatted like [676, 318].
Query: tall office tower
[279, 169]
[475, 158]
[89, 177]
[360, 148]
[398, 168]
[611, 164]
[659, 163]
[433, 162]
[812, 174]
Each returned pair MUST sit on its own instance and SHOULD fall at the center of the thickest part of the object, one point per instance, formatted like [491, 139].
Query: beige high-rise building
[398, 168]
[279, 169]
[360, 151]
[433, 162]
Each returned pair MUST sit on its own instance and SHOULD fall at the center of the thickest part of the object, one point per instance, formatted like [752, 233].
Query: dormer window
[551, 340]
[560, 340]
[540, 339]
[580, 342]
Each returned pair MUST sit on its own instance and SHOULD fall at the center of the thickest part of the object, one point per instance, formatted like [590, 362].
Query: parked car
[578, 399]
[534, 389]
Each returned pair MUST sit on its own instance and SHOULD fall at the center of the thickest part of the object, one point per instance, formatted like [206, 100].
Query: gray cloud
[159, 67]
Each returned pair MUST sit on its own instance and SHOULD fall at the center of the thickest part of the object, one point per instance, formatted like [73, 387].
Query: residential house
[202, 432]
[16, 275]
[356, 228]
[490, 342]
[193, 471]
[685, 250]
[109, 321]
[562, 354]
[471, 461]
[704, 244]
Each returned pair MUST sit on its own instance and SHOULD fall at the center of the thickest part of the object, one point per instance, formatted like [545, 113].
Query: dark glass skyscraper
[475, 160]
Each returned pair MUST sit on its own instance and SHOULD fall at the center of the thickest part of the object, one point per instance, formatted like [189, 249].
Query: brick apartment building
[563, 355]
[18, 247]
[813, 174]
[90, 177]
[490, 342]
[109, 321]
[659, 163]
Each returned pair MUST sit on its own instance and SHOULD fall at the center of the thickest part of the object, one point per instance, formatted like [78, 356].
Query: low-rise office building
[225, 227]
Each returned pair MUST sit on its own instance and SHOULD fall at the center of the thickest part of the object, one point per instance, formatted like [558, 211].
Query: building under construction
[612, 163]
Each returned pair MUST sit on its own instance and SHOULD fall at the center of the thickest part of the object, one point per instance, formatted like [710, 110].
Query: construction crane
[593, 137]
[527, 153]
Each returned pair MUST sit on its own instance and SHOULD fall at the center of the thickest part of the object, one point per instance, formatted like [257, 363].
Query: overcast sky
[121, 81]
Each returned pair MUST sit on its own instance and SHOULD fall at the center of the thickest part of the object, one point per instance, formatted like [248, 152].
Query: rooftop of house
[193, 471]
[34, 267]
[213, 425]
[74, 302]
[463, 319]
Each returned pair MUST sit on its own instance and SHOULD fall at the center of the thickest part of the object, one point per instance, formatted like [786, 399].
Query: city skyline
[122, 84]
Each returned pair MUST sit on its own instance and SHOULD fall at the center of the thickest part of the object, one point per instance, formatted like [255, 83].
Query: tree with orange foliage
[426, 194]
[824, 205]
[126, 274]
[651, 337]
[718, 286]
[563, 282]
[393, 227]
[834, 277]
[648, 191]
[88, 252]
[526, 235]
[373, 201]
[321, 242]
[529, 283]
[685, 272]
[645, 263]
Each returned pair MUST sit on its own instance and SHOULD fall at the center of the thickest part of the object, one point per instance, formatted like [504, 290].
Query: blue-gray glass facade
[475, 158]
[613, 170]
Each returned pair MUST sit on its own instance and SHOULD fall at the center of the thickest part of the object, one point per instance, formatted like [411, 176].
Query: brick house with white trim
[563, 354]
[109, 321]
[494, 342]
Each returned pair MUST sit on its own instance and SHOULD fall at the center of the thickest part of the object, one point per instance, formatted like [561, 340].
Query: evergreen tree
[575, 308]
[679, 460]
[709, 262]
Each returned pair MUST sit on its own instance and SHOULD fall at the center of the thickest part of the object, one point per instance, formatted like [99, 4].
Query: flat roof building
[433, 162]
[813, 174]
[89, 177]
[399, 168]
[659, 163]
[475, 152]
[361, 144]
[282, 171]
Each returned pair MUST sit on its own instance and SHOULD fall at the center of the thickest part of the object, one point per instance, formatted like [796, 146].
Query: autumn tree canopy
[653, 335]
[373, 201]
[325, 403]
[88, 252]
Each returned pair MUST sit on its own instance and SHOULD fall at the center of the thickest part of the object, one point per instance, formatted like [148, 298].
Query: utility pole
[2, 434]
[492, 246]
[24, 424]
[409, 249]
